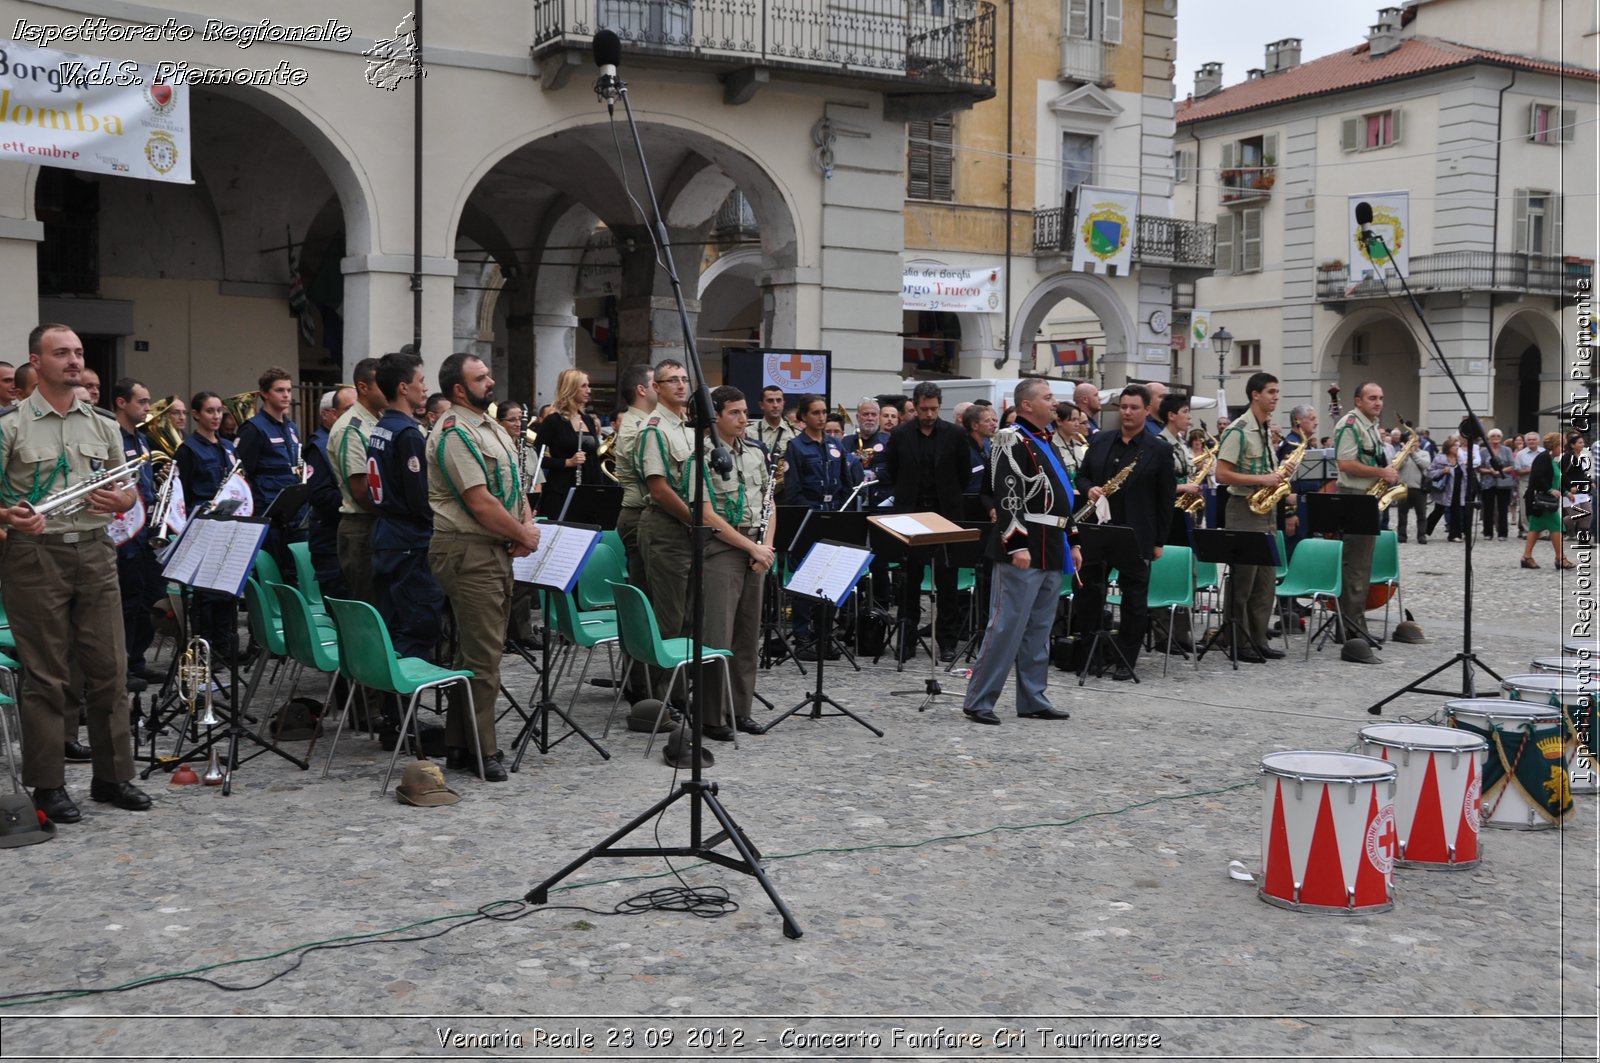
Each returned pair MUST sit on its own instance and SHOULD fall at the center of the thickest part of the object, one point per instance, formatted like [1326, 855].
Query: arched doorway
[1373, 344]
[1527, 350]
[1081, 302]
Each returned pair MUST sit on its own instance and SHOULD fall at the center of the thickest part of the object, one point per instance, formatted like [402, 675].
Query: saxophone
[1264, 500]
[1388, 494]
[1107, 489]
[1194, 504]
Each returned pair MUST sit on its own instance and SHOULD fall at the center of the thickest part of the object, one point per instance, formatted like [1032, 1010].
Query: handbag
[1540, 503]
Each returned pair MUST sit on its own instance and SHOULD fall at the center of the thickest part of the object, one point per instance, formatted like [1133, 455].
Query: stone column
[19, 264]
[377, 307]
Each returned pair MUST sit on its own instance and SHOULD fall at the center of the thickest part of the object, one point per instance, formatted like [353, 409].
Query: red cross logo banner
[796, 372]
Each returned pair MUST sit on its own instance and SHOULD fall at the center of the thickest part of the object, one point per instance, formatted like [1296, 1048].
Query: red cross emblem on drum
[1436, 801]
[1328, 833]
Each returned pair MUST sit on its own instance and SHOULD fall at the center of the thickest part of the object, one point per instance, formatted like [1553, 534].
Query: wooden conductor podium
[921, 533]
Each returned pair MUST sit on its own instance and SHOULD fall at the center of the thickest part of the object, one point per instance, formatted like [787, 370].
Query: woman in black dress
[570, 437]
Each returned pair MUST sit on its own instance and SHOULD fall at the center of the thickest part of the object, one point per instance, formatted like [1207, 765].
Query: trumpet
[1265, 499]
[194, 688]
[75, 499]
[167, 483]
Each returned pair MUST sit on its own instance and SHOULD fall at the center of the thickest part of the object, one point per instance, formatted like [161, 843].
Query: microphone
[1363, 210]
[607, 54]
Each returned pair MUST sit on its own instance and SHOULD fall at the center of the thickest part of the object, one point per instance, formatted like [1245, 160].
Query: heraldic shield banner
[1103, 229]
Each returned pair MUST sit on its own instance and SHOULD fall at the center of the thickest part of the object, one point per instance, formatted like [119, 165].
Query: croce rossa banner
[80, 112]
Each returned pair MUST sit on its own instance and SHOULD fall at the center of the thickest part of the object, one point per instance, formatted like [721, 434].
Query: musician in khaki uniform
[481, 520]
[1245, 461]
[736, 564]
[1358, 448]
[661, 460]
[58, 577]
[347, 455]
[636, 388]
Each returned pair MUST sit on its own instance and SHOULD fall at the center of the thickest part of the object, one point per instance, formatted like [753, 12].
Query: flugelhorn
[194, 688]
[75, 499]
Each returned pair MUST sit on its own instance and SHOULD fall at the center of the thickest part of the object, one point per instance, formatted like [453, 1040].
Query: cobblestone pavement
[1052, 886]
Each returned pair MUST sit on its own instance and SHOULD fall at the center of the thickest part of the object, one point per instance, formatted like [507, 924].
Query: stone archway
[1086, 288]
[1527, 369]
[1374, 344]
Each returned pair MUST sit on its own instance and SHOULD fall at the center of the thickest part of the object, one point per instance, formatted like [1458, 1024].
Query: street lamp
[1222, 340]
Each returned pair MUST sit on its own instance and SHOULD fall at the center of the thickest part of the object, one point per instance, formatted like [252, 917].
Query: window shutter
[1349, 134]
[1269, 149]
[1569, 124]
[1552, 222]
[1394, 126]
[942, 162]
[1078, 19]
[1225, 243]
[918, 159]
[1227, 155]
[1111, 16]
[1519, 221]
[1249, 241]
[1533, 121]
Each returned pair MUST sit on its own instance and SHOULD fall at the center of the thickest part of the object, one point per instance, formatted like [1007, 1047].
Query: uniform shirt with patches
[397, 477]
[134, 447]
[269, 451]
[775, 440]
[347, 451]
[1356, 439]
[815, 473]
[467, 449]
[1182, 460]
[738, 498]
[42, 451]
[1246, 444]
[664, 447]
[634, 495]
[202, 465]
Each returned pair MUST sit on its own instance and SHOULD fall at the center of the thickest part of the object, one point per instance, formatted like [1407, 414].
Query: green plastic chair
[367, 657]
[1283, 555]
[583, 630]
[1172, 588]
[604, 567]
[640, 638]
[613, 539]
[1315, 572]
[1386, 572]
[308, 646]
[305, 576]
[267, 570]
[266, 628]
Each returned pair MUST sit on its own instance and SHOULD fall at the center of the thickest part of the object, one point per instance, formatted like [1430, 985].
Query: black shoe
[806, 651]
[1251, 657]
[122, 794]
[78, 753]
[749, 726]
[1045, 714]
[56, 803]
[135, 685]
[389, 733]
[494, 768]
[924, 631]
[1122, 674]
[1271, 653]
[909, 653]
[983, 717]
[947, 656]
[717, 732]
[1402, 537]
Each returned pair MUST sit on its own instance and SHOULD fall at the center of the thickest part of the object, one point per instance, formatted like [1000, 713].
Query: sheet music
[563, 550]
[830, 571]
[904, 525]
[186, 553]
[238, 557]
[215, 554]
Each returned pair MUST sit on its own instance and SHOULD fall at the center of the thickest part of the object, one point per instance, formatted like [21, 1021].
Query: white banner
[1200, 329]
[177, 513]
[1102, 229]
[81, 112]
[127, 524]
[1390, 218]
[957, 289]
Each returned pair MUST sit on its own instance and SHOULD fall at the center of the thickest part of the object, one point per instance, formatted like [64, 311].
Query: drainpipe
[1011, 82]
[416, 193]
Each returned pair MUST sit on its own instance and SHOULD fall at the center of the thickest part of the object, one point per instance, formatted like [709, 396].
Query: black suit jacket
[1144, 501]
[951, 467]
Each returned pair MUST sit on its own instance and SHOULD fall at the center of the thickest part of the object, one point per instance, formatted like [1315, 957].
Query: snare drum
[1575, 699]
[1327, 832]
[1568, 665]
[1525, 784]
[1436, 807]
[1586, 648]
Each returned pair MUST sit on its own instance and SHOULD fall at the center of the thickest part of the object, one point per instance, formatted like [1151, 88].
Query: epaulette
[9, 410]
[449, 423]
[655, 419]
[103, 412]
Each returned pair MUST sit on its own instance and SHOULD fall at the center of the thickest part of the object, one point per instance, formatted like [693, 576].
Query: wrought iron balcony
[1157, 241]
[925, 46]
[1461, 271]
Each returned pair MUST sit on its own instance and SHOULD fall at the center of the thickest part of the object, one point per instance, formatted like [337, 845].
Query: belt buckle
[73, 537]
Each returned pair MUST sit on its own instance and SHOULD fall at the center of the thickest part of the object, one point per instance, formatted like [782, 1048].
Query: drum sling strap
[1541, 775]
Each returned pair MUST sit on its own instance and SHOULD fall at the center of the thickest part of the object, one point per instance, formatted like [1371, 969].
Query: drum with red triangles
[1328, 836]
[1438, 786]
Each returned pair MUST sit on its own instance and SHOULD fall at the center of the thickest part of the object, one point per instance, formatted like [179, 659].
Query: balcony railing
[1157, 241]
[1461, 271]
[1248, 183]
[1087, 61]
[950, 44]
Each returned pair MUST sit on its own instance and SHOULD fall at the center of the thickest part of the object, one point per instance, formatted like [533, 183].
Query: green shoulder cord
[1362, 453]
[732, 509]
[681, 488]
[344, 448]
[507, 499]
[37, 490]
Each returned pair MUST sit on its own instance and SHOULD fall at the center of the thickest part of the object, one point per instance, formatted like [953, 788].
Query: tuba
[242, 406]
[159, 429]
[1264, 500]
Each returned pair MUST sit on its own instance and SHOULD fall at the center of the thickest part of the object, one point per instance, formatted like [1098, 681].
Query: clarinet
[768, 495]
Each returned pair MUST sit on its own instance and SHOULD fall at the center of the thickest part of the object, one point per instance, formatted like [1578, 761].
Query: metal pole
[416, 193]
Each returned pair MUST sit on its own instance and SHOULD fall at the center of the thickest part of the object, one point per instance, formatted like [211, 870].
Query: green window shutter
[1225, 263]
[1349, 134]
[1519, 220]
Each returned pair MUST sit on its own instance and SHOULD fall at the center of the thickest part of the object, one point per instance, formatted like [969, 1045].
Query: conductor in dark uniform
[926, 465]
[1143, 502]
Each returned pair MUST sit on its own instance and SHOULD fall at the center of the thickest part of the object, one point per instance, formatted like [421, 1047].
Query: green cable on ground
[488, 909]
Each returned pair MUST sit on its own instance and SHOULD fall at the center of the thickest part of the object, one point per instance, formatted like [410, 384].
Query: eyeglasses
[672, 380]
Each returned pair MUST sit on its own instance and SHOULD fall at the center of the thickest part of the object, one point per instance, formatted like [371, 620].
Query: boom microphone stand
[701, 794]
[1464, 656]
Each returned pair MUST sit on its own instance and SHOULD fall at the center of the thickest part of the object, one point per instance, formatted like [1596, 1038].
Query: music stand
[1232, 547]
[789, 521]
[842, 528]
[554, 568]
[1113, 546]
[1332, 515]
[831, 570]
[597, 505]
[218, 555]
[977, 554]
[922, 531]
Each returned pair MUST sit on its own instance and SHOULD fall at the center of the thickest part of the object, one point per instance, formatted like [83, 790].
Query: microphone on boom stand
[607, 54]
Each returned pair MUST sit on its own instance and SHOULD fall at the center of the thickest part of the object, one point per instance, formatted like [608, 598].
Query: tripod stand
[536, 729]
[700, 793]
[1108, 546]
